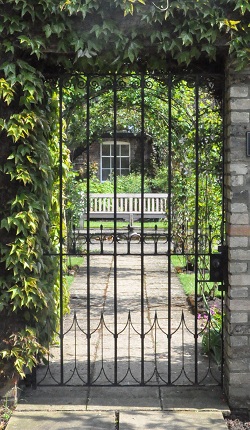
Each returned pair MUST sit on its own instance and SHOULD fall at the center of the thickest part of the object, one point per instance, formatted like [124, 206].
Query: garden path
[117, 349]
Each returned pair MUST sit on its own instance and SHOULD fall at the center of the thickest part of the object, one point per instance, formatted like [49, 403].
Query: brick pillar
[237, 198]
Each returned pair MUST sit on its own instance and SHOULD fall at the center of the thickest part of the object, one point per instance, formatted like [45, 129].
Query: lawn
[187, 278]
[122, 224]
[73, 263]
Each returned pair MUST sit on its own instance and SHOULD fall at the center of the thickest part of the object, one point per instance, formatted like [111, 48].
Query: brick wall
[237, 197]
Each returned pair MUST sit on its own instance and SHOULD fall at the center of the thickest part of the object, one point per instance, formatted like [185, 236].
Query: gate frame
[197, 83]
[237, 213]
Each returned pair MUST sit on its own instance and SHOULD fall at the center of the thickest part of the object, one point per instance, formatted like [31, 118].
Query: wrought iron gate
[129, 321]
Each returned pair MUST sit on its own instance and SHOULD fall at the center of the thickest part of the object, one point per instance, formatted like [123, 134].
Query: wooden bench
[128, 206]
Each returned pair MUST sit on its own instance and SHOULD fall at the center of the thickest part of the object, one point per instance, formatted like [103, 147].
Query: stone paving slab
[53, 398]
[61, 420]
[133, 398]
[193, 398]
[172, 421]
[123, 398]
[128, 420]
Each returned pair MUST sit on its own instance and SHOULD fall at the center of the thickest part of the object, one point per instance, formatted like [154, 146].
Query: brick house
[128, 147]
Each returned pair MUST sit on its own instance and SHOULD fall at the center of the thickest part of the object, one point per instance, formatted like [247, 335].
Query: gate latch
[219, 267]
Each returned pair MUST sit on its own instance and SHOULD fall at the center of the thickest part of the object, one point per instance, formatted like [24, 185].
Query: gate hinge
[219, 267]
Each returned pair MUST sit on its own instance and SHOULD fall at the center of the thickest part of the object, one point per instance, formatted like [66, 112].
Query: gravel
[238, 422]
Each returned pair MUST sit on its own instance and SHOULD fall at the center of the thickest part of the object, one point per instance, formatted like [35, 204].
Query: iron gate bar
[115, 225]
[169, 89]
[196, 229]
[142, 85]
[88, 229]
[61, 238]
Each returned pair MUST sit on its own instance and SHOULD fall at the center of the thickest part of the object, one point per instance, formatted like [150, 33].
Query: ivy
[29, 285]
[23, 350]
[89, 38]
[6, 93]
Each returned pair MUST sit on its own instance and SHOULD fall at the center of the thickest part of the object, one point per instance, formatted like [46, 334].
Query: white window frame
[119, 157]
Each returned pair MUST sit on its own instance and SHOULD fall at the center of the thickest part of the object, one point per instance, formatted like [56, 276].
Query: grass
[187, 279]
[71, 263]
[123, 224]
[74, 261]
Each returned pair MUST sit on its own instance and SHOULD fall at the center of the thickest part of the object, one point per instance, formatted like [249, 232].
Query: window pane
[106, 162]
[125, 150]
[106, 150]
[122, 159]
[105, 174]
[125, 163]
[118, 150]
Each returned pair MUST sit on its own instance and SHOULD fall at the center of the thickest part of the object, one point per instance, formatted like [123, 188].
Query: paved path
[151, 407]
[154, 305]
[79, 408]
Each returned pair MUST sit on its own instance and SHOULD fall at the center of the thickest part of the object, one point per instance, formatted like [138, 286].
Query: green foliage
[132, 184]
[184, 31]
[196, 177]
[129, 6]
[29, 281]
[212, 333]
[124, 184]
[75, 199]
[159, 182]
[23, 350]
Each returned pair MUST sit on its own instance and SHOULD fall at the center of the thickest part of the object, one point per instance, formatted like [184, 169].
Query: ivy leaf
[131, 54]
[231, 24]
[57, 28]
[9, 47]
[97, 29]
[9, 69]
[187, 38]
[2, 124]
[5, 224]
[47, 30]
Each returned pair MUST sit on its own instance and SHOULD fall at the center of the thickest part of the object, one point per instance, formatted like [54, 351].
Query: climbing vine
[80, 34]
[39, 40]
